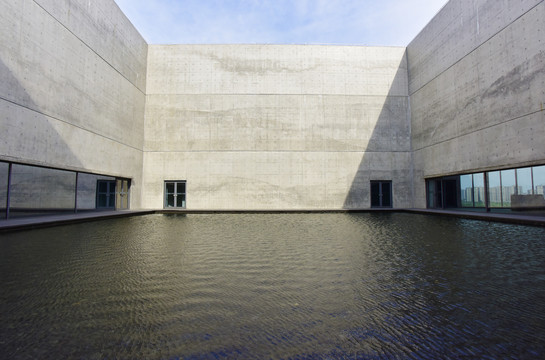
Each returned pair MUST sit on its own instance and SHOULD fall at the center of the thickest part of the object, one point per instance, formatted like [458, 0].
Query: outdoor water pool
[278, 286]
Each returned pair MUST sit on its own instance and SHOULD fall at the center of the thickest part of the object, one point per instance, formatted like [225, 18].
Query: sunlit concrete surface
[276, 126]
[272, 126]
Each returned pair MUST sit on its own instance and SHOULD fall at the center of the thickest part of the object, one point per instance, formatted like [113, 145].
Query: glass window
[41, 191]
[466, 190]
[122, 194]
[478, 190]
[524, 181]
[494, 189]
[508, 186]
[4, 173]
[381, 194]
[89, 185]
[106, 194]
[175, 194]
[539, 180]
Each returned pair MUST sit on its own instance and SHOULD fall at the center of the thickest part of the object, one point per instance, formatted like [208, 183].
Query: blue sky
[354, 22]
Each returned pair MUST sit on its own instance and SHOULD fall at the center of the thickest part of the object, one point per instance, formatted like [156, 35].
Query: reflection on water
[281, 286]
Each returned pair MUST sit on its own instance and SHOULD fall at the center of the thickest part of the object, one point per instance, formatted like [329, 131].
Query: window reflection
[494, 189]
[478, 190]
[35, 191]
[539, 180]
[89, 186]
[521, 189]
[508, 186]
[524, 181]
[466, 190]
[40, 191]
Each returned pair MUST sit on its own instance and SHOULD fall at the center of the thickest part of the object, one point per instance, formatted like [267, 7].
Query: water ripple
[275, 286]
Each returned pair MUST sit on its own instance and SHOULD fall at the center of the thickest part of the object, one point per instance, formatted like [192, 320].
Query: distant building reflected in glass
[508, 189]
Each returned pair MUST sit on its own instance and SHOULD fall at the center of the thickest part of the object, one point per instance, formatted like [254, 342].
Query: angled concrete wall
[72, 87]
[477, 87]
[276, 127]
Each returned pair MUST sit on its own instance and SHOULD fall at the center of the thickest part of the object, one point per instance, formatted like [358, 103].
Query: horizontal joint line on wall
[483, 128]
[276, 94]
[89, 47]
[68, 123]
[277, 151]
[475, 49]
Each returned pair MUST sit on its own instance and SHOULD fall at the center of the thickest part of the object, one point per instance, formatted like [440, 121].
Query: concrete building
[86, 101]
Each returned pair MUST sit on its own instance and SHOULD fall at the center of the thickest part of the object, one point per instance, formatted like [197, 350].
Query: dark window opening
[105, 194]
[381, 194]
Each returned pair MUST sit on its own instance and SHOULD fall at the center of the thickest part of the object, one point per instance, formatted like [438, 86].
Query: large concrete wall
[276, 127]
[477, 87]
[72, 87]
[270, 126]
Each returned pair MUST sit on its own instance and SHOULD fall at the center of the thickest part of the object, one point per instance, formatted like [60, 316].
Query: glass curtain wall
[27, 190]
[524, 181]
[40, 191]
[89, 197]
[466, 190]
[508, 186]
[510, 189]
[479, 199]
[538, 173]
[494, 189]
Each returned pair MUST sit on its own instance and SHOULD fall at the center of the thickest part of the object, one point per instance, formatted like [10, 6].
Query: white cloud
[367, 22]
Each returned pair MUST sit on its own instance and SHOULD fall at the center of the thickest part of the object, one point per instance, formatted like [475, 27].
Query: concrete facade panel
[276, 123]
[103, 27]
[275, 69]
[54, 73]
[274, 180]
[459, 28]
[68, 97]
[275, 127]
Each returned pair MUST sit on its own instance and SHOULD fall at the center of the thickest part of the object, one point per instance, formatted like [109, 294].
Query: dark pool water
[274, 286]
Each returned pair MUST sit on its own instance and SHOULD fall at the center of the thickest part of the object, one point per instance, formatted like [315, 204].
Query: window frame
[175, 194]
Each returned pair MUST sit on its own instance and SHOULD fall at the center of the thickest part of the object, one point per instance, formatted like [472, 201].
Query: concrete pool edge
[29, 223]
[520, 219]
[58, 220]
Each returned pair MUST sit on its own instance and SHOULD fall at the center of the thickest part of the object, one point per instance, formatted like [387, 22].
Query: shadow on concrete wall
[388, 153]
[26, 129]
[29, 137]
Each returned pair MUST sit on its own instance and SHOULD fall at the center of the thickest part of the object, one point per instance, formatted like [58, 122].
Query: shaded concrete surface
[64, 219]
[477, 89]
[72, 87]
[387, 156]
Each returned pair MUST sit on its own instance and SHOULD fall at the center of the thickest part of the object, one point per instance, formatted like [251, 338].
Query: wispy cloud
[366, 22]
